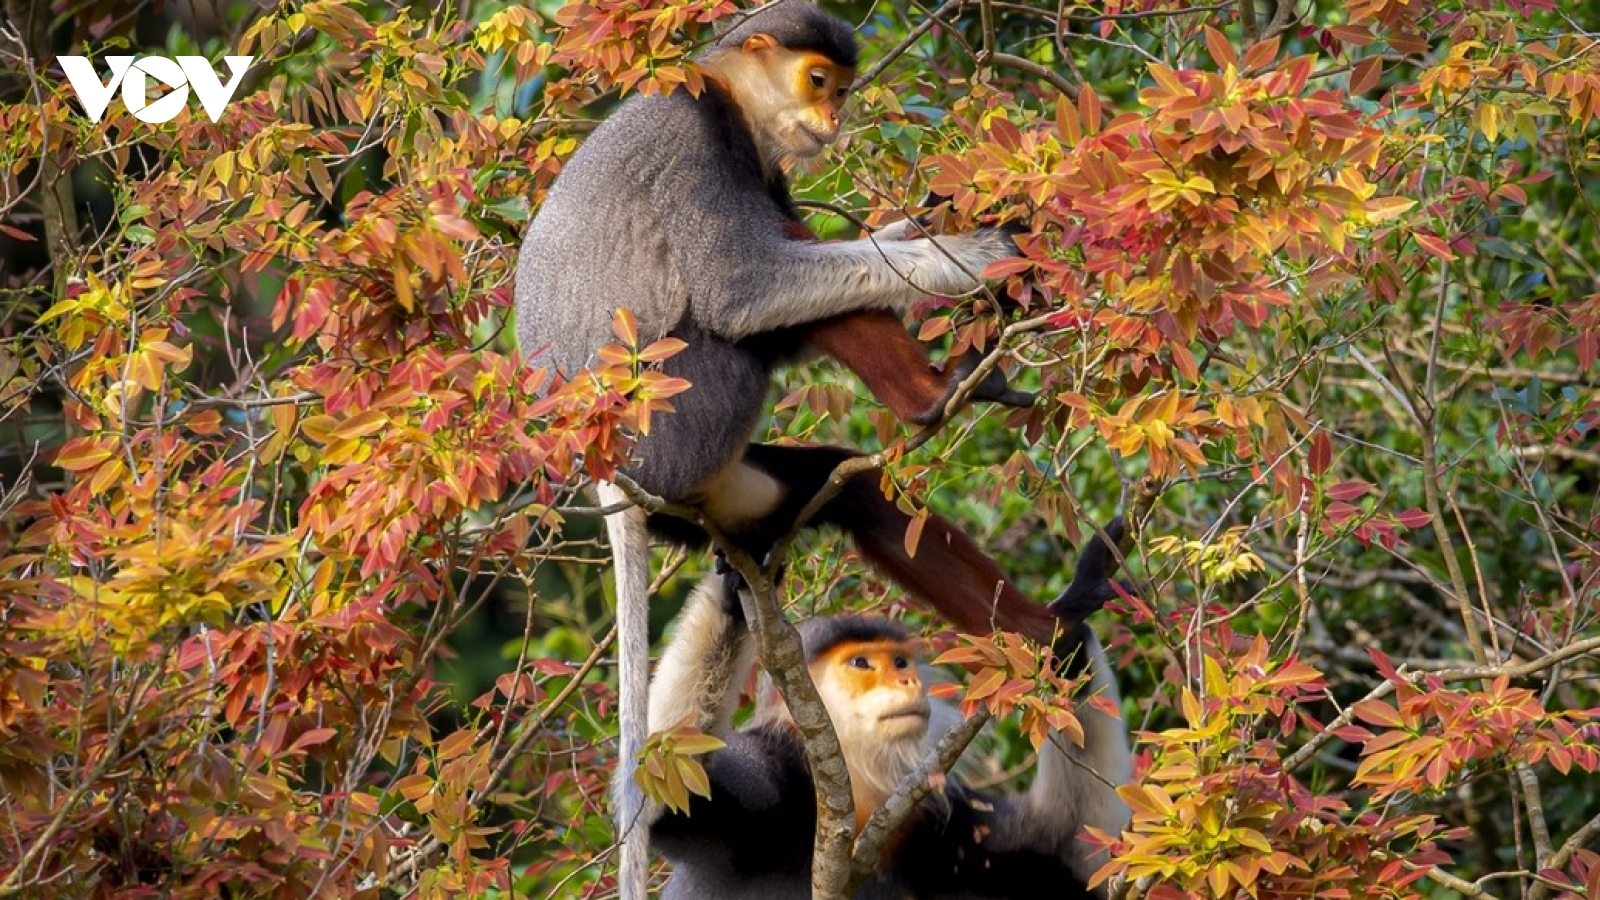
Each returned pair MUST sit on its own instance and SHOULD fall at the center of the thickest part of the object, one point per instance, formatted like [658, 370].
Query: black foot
[993, 388]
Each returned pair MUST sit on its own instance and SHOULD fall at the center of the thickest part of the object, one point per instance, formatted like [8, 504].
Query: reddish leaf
[1365, 75]
[313, 737]
[1435, 246]
[1321, 453]
[1413, 518]
[1349, 490]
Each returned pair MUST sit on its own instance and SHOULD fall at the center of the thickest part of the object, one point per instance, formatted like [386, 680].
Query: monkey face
[791, 98]
[820, 88]
[873, 692]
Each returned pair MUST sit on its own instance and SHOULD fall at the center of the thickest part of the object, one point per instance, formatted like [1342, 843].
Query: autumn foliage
[304, 596]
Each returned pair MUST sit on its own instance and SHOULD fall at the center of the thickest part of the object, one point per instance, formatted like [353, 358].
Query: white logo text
[180, 75]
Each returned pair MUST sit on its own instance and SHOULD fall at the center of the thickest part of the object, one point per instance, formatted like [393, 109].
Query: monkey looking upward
[751, 839]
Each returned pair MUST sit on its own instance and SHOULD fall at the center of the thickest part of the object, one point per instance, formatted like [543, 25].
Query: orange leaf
[934, 327]
[1261, 53]
[625, 327]
[1089, 109]
[1219, 48]
[914, 531]
[1379, 713]
[985, 683]
[82, 453]
[1435, 246]
[206, 423]
[661, 350]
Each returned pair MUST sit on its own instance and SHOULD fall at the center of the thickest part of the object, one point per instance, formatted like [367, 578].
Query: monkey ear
[755, 43]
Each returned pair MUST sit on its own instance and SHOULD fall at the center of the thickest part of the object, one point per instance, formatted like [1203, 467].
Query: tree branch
[887, 819]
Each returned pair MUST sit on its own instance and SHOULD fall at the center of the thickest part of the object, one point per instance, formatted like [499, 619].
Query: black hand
[732, 583]
[733, 580]
[1091, 586]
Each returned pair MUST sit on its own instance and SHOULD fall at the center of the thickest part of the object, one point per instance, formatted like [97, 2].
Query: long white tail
[630, 553]
[1076, 786]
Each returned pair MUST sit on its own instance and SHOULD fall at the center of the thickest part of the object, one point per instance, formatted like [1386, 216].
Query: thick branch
[783, 657]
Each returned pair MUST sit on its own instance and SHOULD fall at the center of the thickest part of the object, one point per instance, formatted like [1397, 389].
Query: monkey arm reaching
[892, 364]
[743, 276]
[706, 662]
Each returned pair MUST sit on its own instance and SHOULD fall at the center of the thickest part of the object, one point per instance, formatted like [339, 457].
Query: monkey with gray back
[751, 837]
[675, 208]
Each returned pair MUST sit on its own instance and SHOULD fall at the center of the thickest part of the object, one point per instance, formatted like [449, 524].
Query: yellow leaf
[83, 453]
[70, 304]
[402, 286]
[1489, 119]
[1191, 709]
[107, 476]
[320, 428]
[362, 424]
[1383, 209]
[696, 743]
[224, 167]
[1146, 800]
[694, 777]
[283, 418]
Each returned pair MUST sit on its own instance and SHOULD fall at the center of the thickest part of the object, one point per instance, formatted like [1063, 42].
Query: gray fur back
[596, 244]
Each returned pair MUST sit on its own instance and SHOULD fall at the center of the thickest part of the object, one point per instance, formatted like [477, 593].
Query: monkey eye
[900, 662]
[842, 92]
[819, 79]
[860, 662]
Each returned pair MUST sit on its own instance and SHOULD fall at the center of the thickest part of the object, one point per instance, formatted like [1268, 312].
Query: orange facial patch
[859, 668]
[821, 80]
